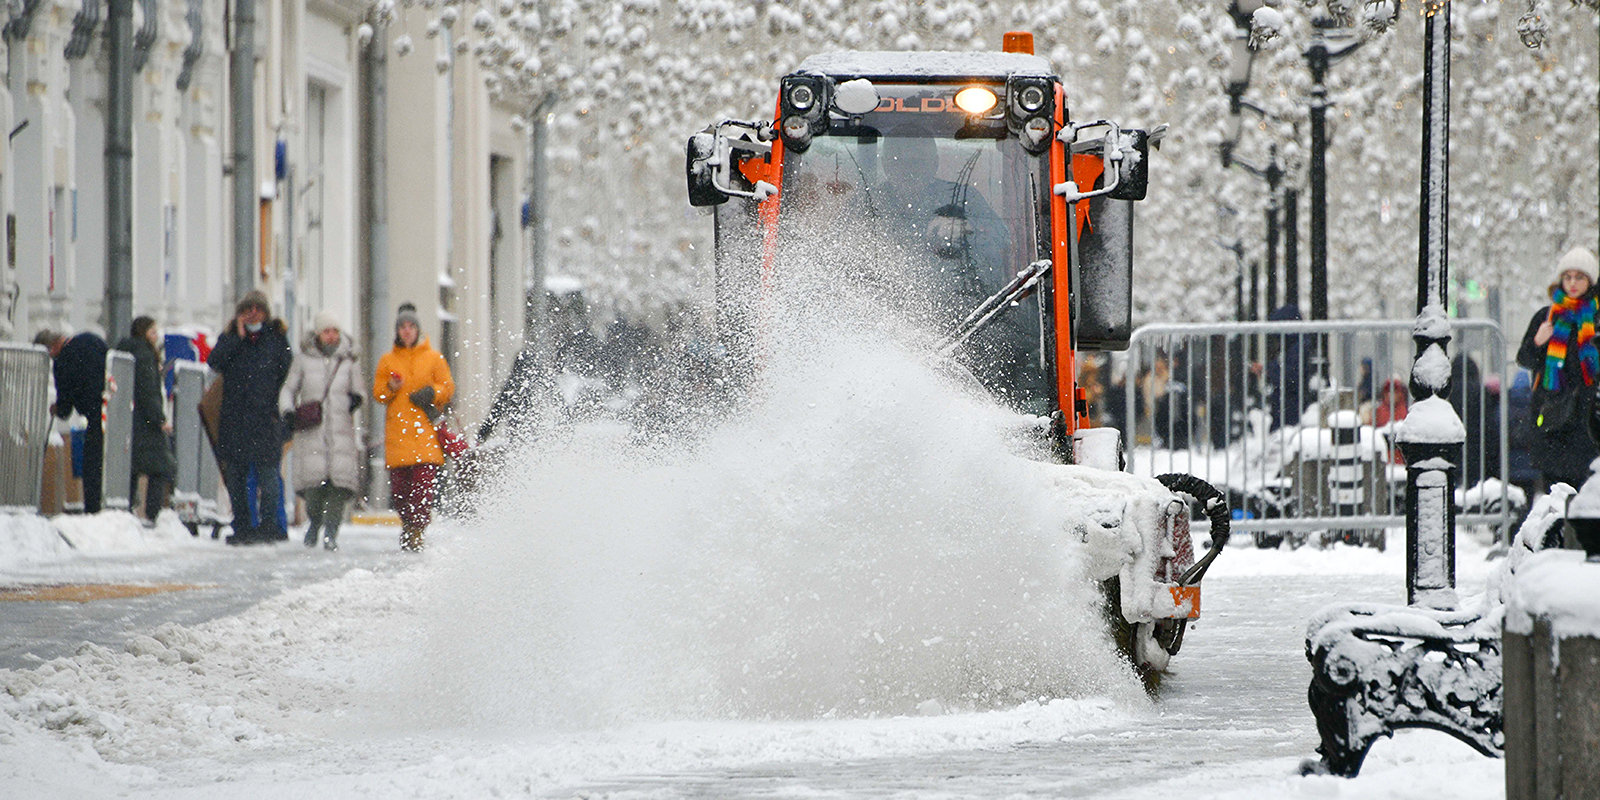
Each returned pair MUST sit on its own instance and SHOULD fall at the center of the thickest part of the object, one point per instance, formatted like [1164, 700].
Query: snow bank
[303, 675]
[27, 539]
[1558, 586]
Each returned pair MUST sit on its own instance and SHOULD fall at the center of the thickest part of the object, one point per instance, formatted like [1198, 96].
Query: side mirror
[1102, 315]
[1134, 168]
[712, 159]
[699, 170]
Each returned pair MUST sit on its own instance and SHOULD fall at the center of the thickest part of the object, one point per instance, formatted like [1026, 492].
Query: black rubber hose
[1215, 505]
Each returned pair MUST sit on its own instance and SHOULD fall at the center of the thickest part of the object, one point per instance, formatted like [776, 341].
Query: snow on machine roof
[926, 64]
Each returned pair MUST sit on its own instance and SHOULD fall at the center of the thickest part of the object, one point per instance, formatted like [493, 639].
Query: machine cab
[954, 176]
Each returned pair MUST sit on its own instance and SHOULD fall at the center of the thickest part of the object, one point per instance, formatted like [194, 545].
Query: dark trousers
[256, 521]
[94, 455]
[325, 510]
[155, 493]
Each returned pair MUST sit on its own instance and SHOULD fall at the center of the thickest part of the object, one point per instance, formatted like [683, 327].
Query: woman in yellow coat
[414, 381]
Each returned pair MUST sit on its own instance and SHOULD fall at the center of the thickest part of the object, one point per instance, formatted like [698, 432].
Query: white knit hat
[324, 320]
[1578, 259]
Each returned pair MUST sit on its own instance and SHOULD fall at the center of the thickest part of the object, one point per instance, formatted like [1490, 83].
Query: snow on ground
[297, 694]
[822, 580]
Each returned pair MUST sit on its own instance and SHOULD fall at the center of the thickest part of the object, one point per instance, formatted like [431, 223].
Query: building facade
[381, 179]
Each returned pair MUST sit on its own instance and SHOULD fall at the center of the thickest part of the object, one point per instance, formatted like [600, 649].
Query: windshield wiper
[987, 311]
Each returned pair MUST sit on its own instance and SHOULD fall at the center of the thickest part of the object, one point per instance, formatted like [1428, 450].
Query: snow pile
[209, 690]
[27, 539]
[1558, 586]
[304, 674]
[117, 532]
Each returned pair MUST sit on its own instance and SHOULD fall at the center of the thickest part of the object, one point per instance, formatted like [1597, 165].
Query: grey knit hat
[407, 313]
[254, 298]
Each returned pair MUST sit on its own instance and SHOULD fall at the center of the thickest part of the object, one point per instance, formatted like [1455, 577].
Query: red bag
[453, 444]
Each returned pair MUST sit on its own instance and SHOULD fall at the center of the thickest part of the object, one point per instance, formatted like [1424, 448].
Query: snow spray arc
[858, 541]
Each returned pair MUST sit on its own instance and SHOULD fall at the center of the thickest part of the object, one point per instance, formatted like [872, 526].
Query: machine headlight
[802, 97]
[796, 127]
[1037, 129]
[1031, 98]
[976, 100]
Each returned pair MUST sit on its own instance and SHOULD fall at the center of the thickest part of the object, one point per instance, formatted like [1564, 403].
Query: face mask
[253, 327]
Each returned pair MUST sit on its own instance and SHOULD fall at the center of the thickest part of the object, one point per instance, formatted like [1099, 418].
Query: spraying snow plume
[859, 539]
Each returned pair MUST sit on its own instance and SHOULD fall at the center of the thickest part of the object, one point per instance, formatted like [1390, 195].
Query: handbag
[452, 443]
[1559, 410]
[309, 415]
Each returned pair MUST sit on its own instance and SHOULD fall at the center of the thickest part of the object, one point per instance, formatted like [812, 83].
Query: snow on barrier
[1297, 420]
[24, 424]
[118, 464]
[1552, 670]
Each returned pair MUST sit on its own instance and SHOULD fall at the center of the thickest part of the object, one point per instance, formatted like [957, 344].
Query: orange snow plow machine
[988, 204]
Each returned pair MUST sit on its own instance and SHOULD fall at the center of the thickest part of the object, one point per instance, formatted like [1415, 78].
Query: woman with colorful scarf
[1561, 351]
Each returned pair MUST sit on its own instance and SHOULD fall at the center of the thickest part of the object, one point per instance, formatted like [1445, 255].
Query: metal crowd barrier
[117, 472]
[24, 424]
[194, 494]
[1294, 420]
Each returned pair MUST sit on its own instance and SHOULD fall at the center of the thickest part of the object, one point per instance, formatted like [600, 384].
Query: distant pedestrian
[321, 396]
[1559, 348]
[253, 357]
[414, 381]
[152, 450]
[80, 374]
[1288, 371]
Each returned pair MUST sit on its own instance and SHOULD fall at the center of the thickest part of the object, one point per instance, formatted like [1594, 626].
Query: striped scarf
[1572, 324]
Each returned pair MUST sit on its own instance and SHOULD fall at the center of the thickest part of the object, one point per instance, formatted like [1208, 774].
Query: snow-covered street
[297, 694]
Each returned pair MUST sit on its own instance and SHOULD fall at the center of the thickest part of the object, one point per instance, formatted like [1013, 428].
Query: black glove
[355, 402]
[423, 399]
[484, 430]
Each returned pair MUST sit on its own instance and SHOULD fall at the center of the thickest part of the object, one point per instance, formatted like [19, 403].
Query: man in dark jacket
[253, 357]
[152, 453]
[80, 373]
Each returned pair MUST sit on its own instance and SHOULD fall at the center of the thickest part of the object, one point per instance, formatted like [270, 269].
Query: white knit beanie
[323, 321]
[1578, 259]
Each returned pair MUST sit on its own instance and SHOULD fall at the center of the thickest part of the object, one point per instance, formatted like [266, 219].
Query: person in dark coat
[253, 357]
[515, 409]
[1287, 371]
[1560, 350]
[152, 452]
[80, 374]
[1478, 406]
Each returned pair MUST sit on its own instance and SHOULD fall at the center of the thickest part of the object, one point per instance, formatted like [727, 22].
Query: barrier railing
[118, 465]
[24, 424]
[1296, 419]
[194, 494]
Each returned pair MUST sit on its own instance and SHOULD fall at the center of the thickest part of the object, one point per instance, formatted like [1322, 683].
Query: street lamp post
[1365, 655]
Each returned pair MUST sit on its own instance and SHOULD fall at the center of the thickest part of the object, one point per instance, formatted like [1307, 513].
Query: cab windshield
[942, 210]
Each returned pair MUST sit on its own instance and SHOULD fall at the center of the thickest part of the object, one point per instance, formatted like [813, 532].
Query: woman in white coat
[327, 455]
